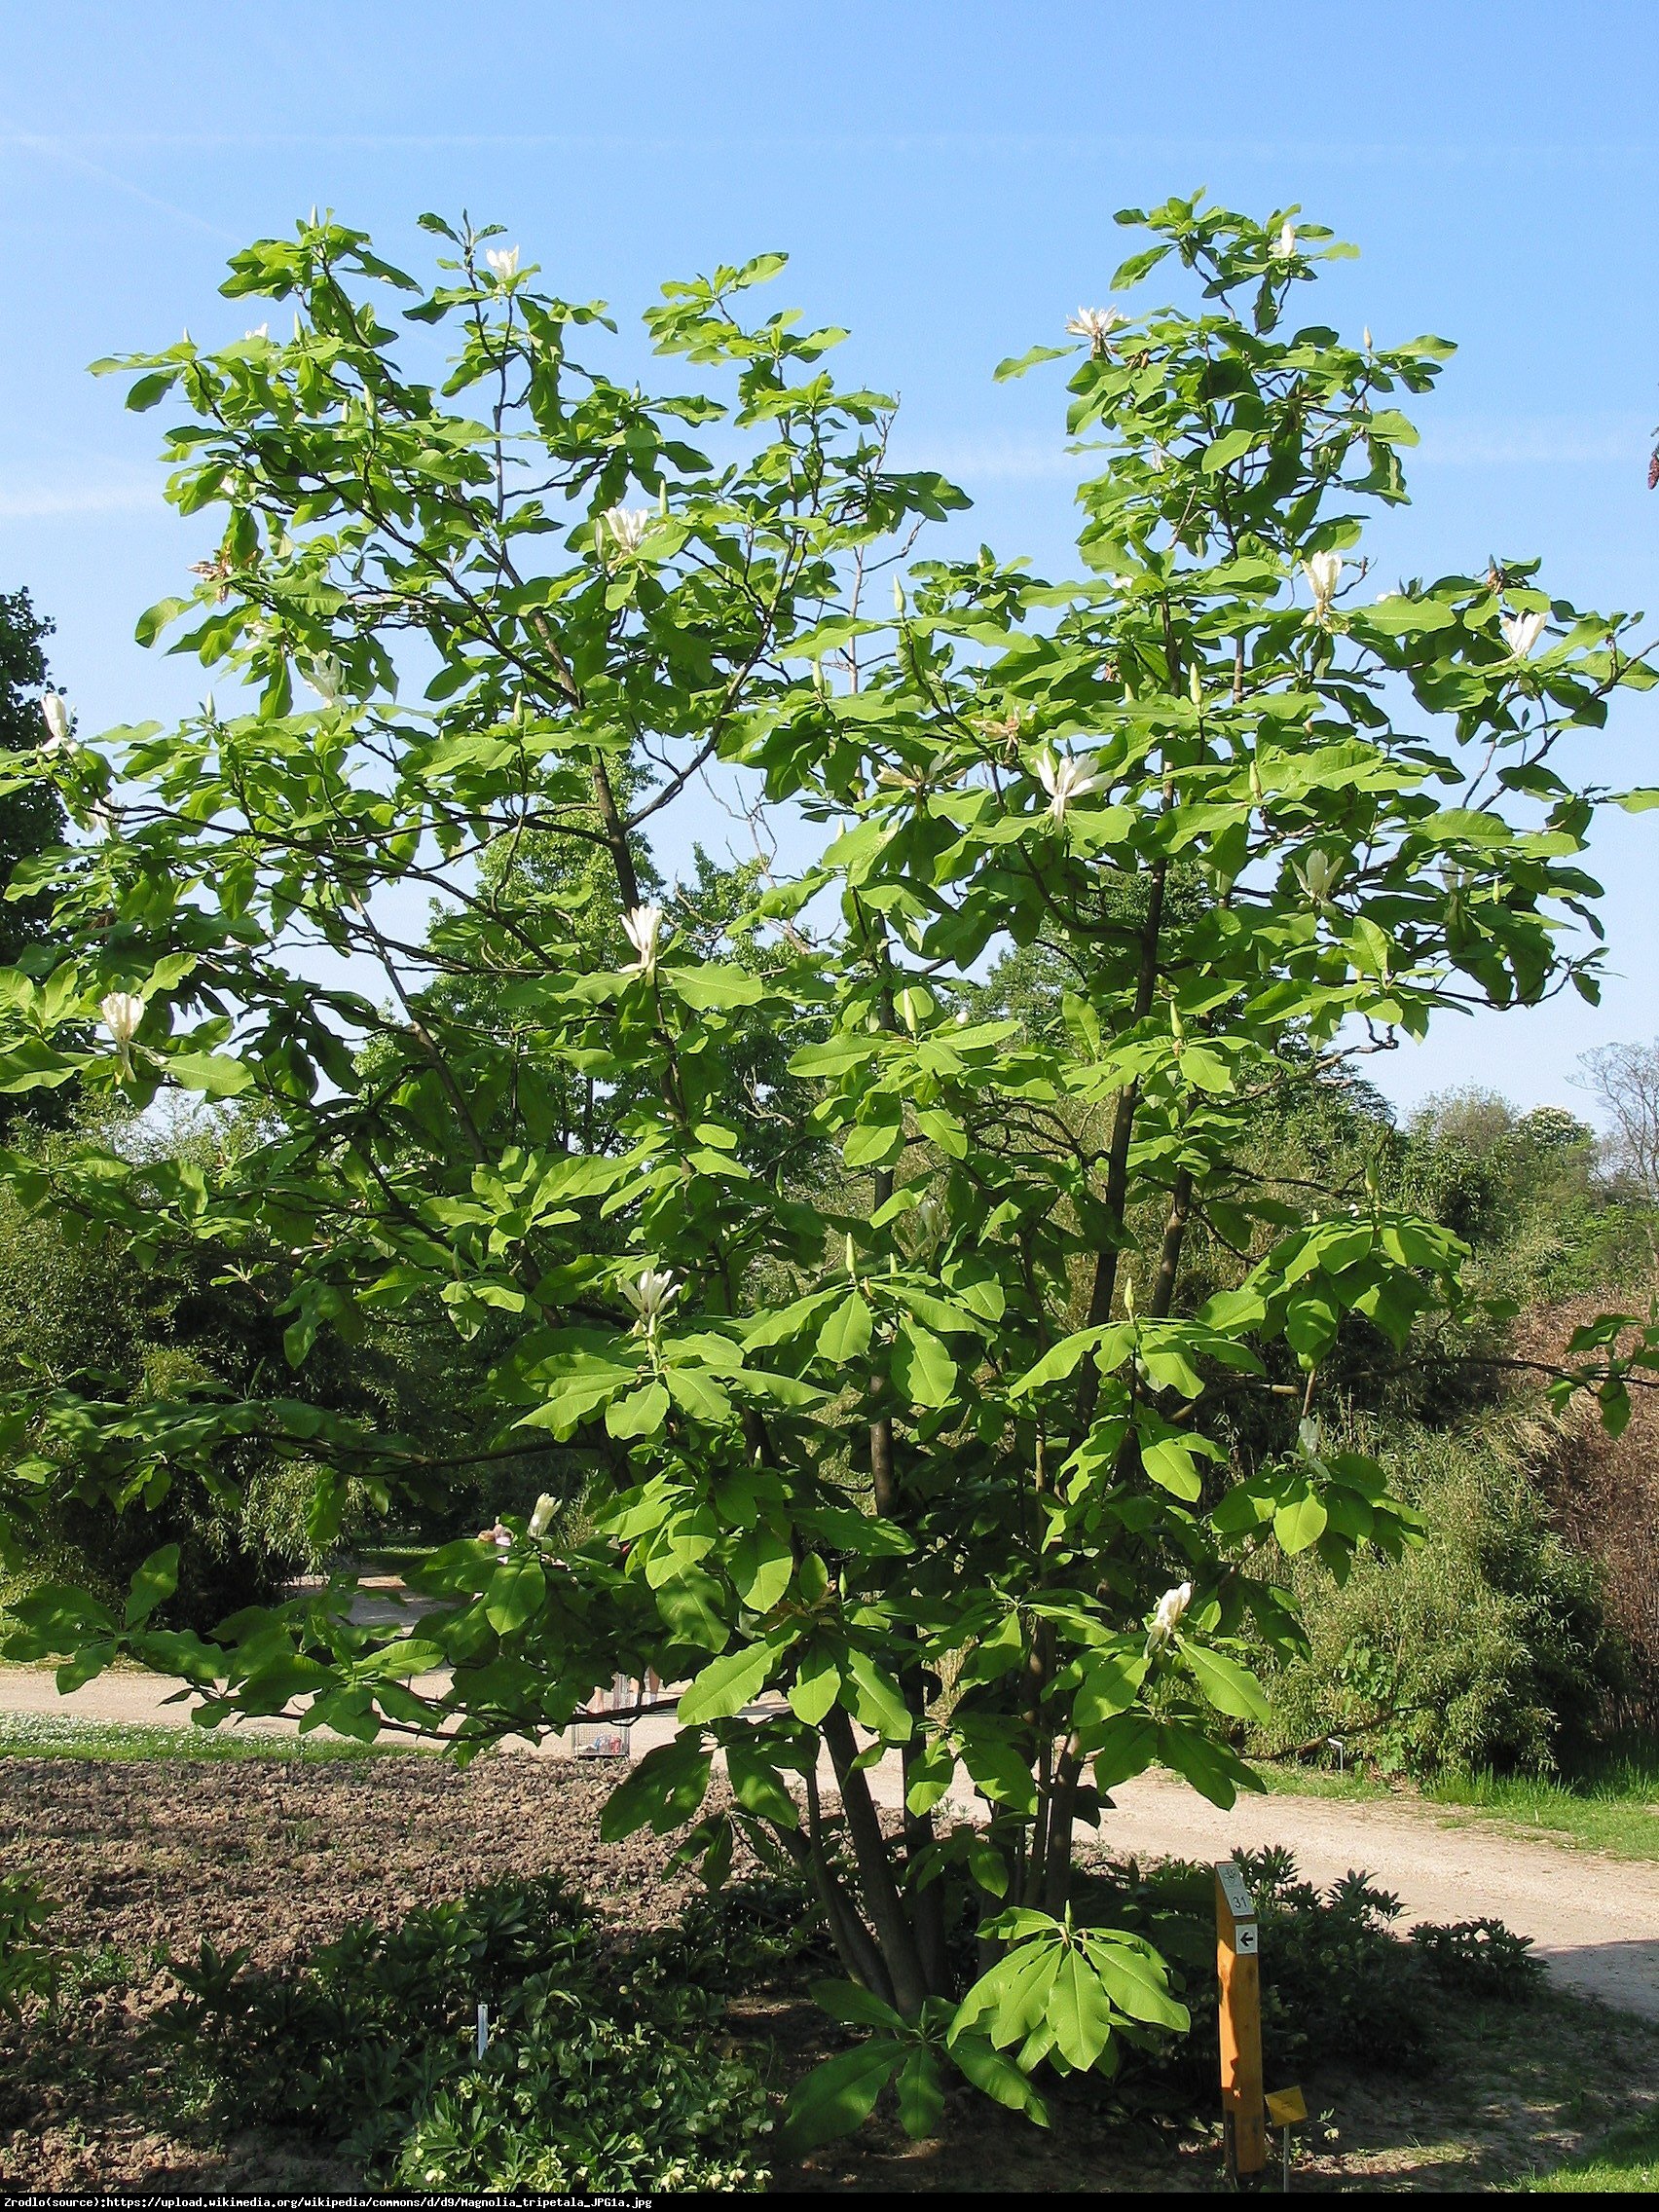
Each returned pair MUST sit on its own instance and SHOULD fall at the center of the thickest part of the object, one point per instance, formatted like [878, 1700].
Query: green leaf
[215, 1074]
[1111, 1684]
[1230, 1688]
[840, 2095]
[1169, 1464]
[1128, 1745]
[663, 1792]
[1214, 1770]
[845, 1335]
[515, 1593]
[921, 1366]
[692, 1604]
[713, 985]
[945, 1130]
[815, 1689]
[997, 2077]
[921, 2094]
[1300, 1520]
[877, 1700]
[757, 1785]
[1017, 364]
[727, 1685]
[1135, 1978]
[1077, 2014]
[855, 2006]
[642, 1413]
[871, 1144]
[152, 1583]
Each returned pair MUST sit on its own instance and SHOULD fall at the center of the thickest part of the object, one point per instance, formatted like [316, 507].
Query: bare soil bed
[281, 1855]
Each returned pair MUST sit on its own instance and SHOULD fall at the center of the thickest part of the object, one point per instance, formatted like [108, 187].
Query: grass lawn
[1612, 1808]
[65, 1735]
[1626, 2161]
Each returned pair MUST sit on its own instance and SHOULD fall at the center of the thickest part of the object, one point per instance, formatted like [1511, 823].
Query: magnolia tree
[903, 1426]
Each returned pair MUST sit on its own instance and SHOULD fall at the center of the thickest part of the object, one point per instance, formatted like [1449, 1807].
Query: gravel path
[1595, 1919]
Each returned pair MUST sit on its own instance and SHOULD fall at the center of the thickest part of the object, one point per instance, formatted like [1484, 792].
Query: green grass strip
[1615, 1809]
[1625, 2162]
[65, 1735]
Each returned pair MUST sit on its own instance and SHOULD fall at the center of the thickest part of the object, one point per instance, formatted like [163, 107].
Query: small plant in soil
[604, 2069]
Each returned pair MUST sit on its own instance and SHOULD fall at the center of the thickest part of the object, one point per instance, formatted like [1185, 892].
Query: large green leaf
[1230, 1688]
[922, 1368]
[728, 1683]
[839, 2094]
[663, 1792]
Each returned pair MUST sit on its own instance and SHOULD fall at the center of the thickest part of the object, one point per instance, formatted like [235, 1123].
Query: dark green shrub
[1480, 1957]
[601, 2072]
[1337, 1983]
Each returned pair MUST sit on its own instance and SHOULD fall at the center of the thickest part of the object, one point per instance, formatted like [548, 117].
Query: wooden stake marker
[1238, 1965]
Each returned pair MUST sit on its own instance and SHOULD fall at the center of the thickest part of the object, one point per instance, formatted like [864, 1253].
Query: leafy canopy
[905, 1423]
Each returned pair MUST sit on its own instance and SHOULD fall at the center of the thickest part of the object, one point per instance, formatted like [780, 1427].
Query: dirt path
[1595, 1919]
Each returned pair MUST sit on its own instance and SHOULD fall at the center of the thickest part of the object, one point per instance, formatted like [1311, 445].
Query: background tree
[922, 1447]
[31, 814]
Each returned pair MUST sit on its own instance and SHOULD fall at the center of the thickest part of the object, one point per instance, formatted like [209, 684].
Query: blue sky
[943, 178]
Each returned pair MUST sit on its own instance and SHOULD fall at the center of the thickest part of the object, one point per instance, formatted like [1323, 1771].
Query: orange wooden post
[1238, 1970]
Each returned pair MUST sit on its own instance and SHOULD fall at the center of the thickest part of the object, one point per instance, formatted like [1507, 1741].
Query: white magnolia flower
[503, 263]
[1323, 572]
[1096, 324]
[651, 1296]
[325, 676]
[1522, 631]
[60, 735]
[102, 817]
[501, 1538]
[1319, 872]
[624, 529]
[644, 925]
[1310, 1441]
[1284, 245]
[542, 1520]
[121, 1013]
[1063, 781]
[1171, 1610]
[261, 330]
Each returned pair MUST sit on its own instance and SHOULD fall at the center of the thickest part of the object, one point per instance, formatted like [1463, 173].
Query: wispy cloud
[68, 152]
[1491, 441]
[1000, 460]
[45, 502]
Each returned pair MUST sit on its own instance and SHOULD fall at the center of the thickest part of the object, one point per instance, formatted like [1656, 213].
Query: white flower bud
[60, 733]
[644, 925]
[1171, 1612]
[624, 530]
[1065, 780]
[1323, 572]
[651, 1296]
[542, 1520]
[1096, 324]
[1522, 631]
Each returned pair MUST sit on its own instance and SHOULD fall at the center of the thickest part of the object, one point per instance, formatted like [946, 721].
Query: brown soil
[278, 1856]
[276, 1853]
